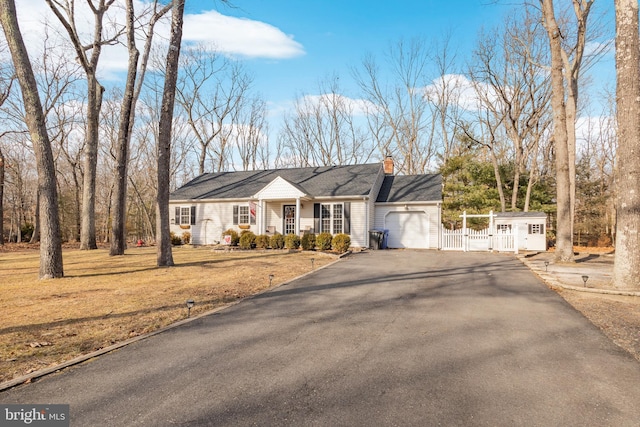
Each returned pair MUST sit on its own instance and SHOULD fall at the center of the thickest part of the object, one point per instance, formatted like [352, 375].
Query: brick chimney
[388, 165]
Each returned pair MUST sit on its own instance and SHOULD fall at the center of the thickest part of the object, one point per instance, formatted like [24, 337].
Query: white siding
[279, 189]
[526, 241]
[430, 214]
[211, 220]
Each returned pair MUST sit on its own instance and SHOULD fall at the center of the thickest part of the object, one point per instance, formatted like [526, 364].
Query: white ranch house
[352, 199]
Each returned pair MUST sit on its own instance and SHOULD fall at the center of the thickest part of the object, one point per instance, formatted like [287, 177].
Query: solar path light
[190, 304]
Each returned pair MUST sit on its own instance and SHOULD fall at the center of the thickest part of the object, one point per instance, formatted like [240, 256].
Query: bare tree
[165, 256]
[7, 77]
[1, 197]
[444, 95]
[398, 116]
[132, 90]
[250, 135]
[51, 245]
[322, 130]
[567, 45]
[211, 91]
[88, 55]
[514, 90]
[626, 270]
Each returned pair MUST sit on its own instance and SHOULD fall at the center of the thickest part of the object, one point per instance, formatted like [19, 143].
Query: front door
[289, 215]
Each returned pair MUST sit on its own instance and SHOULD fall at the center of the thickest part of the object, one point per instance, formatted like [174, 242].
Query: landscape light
[190, 304]
[546, 265]
[270, 279]
[312, 260]
[584, 279]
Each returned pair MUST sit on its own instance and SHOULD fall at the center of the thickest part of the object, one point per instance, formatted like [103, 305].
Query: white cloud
[237, 37]
[599, 48]
[357, 107]
[465, 93]
[240, 36]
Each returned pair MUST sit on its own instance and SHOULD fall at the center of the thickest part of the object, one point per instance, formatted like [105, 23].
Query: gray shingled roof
[353, 180]
[411, 188]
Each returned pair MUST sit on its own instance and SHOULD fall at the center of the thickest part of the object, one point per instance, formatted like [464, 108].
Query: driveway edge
[552, 282]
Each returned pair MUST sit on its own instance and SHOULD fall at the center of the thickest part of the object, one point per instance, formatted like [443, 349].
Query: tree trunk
[1, 198]
[564, 239]
[94, 104]
[626, 269]
[51, 244]
[35, 235]
[118, 228]
[165, 256]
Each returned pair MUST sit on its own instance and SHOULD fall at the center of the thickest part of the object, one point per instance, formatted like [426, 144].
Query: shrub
[277, 241]
[247, 239]
[262, 241]
[26, 231]
[235, 237]
[186, 237]
[323, 241]
[308, 241]
[175, 239]
[292, 241]
[341, 242]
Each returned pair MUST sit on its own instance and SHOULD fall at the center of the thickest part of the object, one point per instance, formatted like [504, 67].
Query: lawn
[103, 300]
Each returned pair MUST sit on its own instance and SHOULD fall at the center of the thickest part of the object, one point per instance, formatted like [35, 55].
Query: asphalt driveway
[380, 338]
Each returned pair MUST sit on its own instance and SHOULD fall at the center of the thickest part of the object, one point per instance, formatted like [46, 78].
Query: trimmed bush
[308, 241]
[247, 239]
[186, 237]
[323, 241]
[175, 239]
[341, 242]
[292, 241]
[262, 241]
[277, 241]
[235, 237]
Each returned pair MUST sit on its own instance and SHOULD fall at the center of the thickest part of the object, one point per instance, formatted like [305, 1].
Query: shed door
[408, 230]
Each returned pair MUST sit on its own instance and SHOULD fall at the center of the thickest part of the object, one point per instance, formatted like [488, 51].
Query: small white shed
[531, 228]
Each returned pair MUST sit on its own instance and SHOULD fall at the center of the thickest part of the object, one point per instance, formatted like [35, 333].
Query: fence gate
[488, 239]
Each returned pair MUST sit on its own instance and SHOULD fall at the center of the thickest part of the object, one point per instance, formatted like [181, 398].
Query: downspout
[366, 222]
[297, 230]
[261, 217]
[439, 225]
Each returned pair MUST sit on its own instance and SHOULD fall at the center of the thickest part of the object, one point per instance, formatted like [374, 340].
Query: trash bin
[375, 239]
[385, 237]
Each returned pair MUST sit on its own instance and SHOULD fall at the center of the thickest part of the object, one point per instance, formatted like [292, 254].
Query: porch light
[584, 279]
[190, 304]
[546, 265]
[270, 279]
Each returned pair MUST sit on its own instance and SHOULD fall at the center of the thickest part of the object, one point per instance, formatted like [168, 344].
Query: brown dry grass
[103, 300]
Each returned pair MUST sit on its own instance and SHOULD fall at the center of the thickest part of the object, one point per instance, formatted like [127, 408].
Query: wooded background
[483, 119]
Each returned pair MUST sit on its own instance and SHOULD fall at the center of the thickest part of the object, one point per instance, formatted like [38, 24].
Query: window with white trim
[503, 227]
[185, 215]
[244, 214]
[332, 218]
[536, 228]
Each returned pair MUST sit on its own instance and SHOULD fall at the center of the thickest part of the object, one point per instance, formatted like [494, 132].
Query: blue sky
[335, 35]
[289, 46]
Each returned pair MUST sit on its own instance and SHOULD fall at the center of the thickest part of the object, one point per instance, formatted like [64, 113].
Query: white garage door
[408, 230]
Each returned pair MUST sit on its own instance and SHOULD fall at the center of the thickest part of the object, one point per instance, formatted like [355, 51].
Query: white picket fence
[466, 239]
